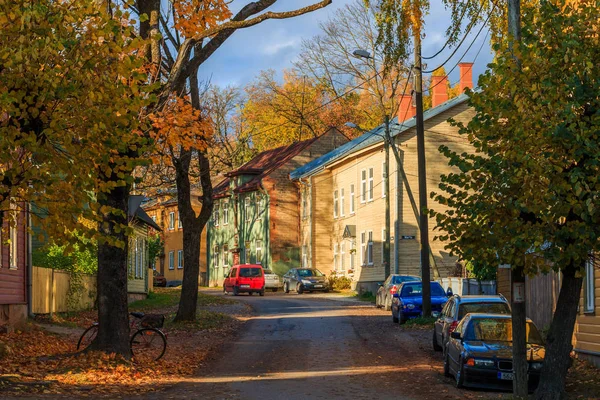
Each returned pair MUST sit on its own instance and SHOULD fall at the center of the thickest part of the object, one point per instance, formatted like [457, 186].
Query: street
[307, 346]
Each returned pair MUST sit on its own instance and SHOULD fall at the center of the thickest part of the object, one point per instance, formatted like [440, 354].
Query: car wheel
[460, 376]
[326, 290]
[446, 365]
[249, 293]
[299, 289]
[286, 288]
[261, 293]
[401, 318]
[236, 291]
[436, 346]
[394, 317]
[224, 291]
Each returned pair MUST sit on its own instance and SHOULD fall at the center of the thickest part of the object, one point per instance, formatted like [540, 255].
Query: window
[353, 255]
[171, 221]
[259, 253]
[248, 208]
[342, 256]
[351, 199]
[225, 255]
[335, 256]
[304, 256]
[247, 252]
[371, 184]
[180, 259]
[589, 288]
[383, 180]
[225, 213]
[370, 248]
[335, 204]
[261, 205]
[216, 257]
[216, 215]
[363, 248]
[179, 224]
[363, 186]
[171, 260]
[342, 211]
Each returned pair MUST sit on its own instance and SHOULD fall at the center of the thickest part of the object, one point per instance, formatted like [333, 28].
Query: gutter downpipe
[29, 264]
[310, 222]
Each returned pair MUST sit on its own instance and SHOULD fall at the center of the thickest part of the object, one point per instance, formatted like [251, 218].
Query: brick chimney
[440, 90]
[466, 75]
[406, 110]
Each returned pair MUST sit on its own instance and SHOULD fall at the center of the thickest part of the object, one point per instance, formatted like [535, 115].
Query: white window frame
[371, 185]
[304, 256]
[363, 186]
[370, 248]
[259, 254]
[589, 286]
[343, 256]
[335, 257]
[353, 255]
[383, 179]
[342, 200]
[226, 255]
[179, 224]
[216, 257]
[172, 220]
[179, 259]
[225, 213]
[216, 215]
[363, 247]
[247, 205]
[335, 204]
[171, 260]
[352, 209]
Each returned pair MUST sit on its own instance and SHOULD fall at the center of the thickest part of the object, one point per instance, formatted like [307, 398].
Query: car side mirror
[379, 284]
[455, 335]
[449, 292]
[396, 295]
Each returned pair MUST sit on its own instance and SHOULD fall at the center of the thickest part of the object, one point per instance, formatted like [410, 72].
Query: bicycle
[148, 343]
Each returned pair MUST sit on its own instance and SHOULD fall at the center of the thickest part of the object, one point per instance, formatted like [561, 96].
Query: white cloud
[274, 48]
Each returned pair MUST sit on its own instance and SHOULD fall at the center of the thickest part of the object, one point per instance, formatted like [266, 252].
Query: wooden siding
[138, 284]
[13, 281]
[587, 328]
[50, 292]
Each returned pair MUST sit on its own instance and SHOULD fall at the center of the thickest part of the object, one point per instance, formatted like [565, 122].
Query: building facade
[163, 210]
[256, 217]
[343, 195]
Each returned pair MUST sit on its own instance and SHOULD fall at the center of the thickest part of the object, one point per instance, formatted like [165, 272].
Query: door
[440, 323]
[229, 281]
[454, 351]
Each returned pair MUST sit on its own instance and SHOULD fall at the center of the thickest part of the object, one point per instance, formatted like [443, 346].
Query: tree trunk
[519, 327]
[558, 342]
[113, 316]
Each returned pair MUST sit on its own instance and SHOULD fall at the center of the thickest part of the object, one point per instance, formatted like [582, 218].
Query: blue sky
[276, 43]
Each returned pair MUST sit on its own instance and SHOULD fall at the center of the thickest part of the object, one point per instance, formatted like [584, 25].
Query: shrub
[339, 282]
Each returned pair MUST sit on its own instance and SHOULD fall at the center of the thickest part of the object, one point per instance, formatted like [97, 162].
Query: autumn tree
[183, 35]
[531, 184]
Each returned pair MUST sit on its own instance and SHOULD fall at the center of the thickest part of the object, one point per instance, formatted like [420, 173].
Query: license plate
[244, 286]
[506, 376]
[318, 286]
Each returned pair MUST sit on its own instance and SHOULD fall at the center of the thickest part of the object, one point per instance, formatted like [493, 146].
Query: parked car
[388, 288]
[479, 352]
[408, 301]
[459, 306]
[158, 279]
[272, 280]
[305, 279]
[246, 278]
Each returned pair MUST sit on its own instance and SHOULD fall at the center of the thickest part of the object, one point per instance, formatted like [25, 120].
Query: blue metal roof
[370, 138]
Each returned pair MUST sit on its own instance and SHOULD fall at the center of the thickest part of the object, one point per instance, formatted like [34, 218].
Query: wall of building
[587, 327]
[137, 278]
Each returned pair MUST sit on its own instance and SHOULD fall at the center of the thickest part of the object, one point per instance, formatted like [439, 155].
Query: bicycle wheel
[148, 344]
[87, 337]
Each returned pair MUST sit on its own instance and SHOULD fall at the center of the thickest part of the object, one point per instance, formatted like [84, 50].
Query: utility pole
[386, 185]
[519, 319]
[423, 214]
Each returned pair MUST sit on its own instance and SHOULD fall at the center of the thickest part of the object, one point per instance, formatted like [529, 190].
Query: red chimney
[440, 90]
[406, 110]
[466, 75]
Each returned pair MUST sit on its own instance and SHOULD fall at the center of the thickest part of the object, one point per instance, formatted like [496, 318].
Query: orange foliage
[193, 17]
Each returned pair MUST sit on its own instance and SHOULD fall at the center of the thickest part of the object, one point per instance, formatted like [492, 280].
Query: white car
[272, 280]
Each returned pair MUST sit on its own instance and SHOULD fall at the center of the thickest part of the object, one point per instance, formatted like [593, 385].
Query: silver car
[272, 280]
[389, 287]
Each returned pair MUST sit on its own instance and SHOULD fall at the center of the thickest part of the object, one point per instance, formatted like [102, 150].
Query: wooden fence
[50, 292]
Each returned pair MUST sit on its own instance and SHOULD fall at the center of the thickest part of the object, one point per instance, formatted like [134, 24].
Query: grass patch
[421, 322]
[205, 320]
[159, 298]
[210, 300]
[366, 296]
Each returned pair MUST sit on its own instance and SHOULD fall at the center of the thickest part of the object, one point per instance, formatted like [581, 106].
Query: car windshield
[486, 308]
[268, 272]
[400, 278]
[498, 330]
[250, 272]
[416, 289]
[309, 272]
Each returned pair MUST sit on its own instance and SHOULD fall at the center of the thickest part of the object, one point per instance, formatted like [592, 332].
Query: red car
[245, 278]
[159, 279]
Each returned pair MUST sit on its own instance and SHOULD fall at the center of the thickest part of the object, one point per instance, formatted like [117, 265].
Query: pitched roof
[261, 166]
[136, 211]
[370, 138]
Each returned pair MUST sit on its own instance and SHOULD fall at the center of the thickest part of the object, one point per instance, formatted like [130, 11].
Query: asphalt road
[303, 347]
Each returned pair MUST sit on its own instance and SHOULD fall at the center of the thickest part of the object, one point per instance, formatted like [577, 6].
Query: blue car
[407, 302]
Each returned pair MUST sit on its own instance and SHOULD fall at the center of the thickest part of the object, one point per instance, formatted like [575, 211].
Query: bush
[339, 282]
